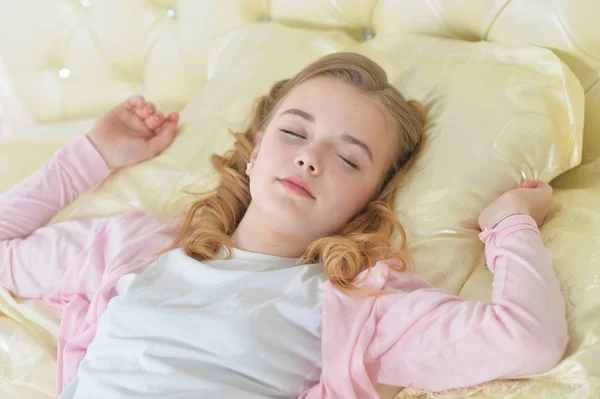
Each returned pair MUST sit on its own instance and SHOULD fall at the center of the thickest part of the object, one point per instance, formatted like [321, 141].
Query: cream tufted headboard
[75, 58]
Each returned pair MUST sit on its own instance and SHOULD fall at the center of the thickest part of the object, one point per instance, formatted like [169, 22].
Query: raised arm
[458, 343]
[425, 337]
[34, 257]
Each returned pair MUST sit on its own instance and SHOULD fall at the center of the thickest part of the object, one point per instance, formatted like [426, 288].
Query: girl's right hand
[132, 132]
[533, 197]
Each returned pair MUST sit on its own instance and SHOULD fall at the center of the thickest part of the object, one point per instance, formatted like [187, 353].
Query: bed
[512, 90]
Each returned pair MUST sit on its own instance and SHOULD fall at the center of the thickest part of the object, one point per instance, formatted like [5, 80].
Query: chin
[295, 214]
[287, 212]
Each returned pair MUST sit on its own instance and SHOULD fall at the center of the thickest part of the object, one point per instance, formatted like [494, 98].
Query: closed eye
[349, 163]
[290, 133]
[299, 136]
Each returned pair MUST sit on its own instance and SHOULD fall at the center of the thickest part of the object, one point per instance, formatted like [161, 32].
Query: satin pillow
[497, 114]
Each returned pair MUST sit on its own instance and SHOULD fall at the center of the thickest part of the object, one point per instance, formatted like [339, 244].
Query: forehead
[339, 108]
[323, 93]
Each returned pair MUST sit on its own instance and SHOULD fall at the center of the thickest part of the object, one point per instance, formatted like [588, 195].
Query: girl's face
[321, 159]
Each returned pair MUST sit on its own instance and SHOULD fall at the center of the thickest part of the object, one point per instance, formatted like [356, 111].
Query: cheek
[350, 194]
[271, 150]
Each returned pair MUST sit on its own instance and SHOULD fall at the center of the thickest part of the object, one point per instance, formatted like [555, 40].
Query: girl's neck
[255, 234]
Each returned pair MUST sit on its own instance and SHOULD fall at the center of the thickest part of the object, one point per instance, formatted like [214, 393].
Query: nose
[308, 161]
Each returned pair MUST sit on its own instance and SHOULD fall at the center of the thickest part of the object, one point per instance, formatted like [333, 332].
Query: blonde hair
[365, 239]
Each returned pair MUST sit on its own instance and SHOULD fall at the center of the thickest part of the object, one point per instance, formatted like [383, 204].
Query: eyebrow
[345, 137]
[353, 140]
[300, 113]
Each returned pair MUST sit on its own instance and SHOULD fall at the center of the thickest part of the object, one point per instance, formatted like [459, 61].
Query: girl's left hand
[533, 198]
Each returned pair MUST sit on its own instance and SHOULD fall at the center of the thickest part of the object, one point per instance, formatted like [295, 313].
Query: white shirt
[248, 327]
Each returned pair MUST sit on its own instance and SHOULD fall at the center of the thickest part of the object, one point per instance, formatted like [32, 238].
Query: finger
[174, 116]
[134, 101]
[145, 111]
[543, 186]
[530, 183]
[149, 109]
[154, 121]
[129, 117]
[527, 183]
[163, 138]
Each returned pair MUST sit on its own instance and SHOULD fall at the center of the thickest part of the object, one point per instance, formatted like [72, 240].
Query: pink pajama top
[418, 336]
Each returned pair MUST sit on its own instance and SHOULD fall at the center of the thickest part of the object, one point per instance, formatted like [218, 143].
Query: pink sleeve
[425, 337]
[457, 343]
[60, 181]
[33, 257]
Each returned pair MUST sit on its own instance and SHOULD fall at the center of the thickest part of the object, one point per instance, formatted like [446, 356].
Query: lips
[297, 186]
